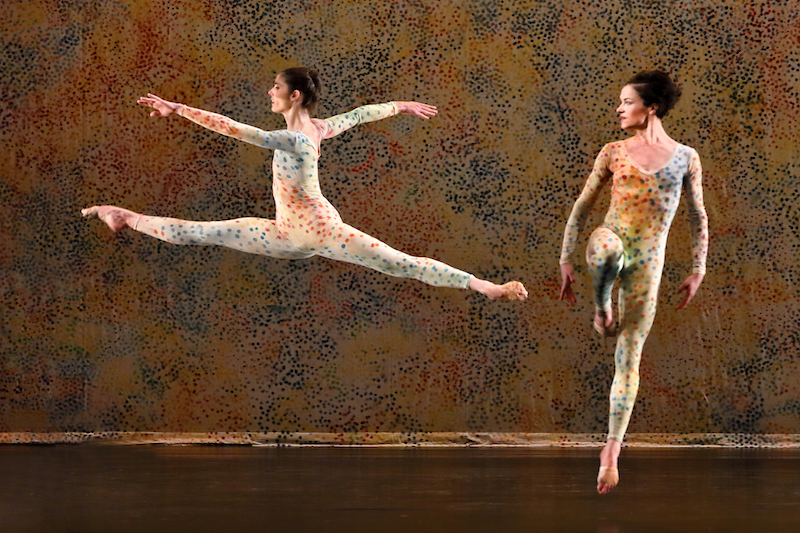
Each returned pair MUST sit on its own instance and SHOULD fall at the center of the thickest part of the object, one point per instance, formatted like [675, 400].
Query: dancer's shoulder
[612, 147]
[611, 150]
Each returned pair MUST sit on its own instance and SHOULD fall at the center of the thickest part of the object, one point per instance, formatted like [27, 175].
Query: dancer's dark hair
[305, 80]
[656, 87]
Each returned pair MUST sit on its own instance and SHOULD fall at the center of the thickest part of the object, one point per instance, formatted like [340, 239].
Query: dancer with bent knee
[305, 224]
[646, 172]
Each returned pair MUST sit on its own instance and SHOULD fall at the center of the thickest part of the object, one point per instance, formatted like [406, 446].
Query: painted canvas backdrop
[120, 332]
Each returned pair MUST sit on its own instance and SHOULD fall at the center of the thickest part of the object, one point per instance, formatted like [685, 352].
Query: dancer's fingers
[428, 111]
[686, 299]
[566, 291]
[417, 109]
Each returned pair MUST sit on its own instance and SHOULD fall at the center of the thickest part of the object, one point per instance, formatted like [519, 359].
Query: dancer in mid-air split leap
[647, 172]
[305, 224]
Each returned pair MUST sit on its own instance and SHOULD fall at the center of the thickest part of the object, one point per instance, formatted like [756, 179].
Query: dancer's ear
[296, 96]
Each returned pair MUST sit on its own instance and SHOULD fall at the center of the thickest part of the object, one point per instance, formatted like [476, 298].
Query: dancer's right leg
[251, 235]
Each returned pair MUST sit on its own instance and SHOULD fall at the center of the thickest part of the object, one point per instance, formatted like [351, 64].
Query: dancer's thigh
[346, 243]
[604, 248]
[251, 235]
[605, 257]
[638, 300]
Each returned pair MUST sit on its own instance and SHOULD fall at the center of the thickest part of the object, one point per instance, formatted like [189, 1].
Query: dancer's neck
[297, 118]
[653, 133]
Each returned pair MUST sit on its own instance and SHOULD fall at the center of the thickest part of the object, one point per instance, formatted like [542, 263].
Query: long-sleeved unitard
[305, 224]
[630, 245]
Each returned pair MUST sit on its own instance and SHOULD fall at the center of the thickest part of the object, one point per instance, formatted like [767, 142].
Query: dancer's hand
[417, 109]
[162, 108]
[567, 279]
[690, 286]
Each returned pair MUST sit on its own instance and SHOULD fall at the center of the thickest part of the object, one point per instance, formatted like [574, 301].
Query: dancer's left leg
[346, 243]
[608, 475]
[638, 295]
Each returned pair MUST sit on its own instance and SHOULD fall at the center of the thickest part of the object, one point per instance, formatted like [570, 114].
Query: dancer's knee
[604, 247]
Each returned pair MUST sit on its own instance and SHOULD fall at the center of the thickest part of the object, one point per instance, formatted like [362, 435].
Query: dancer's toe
[603, 327]
[114, 217]
[89, 212]
[607, 479]
[513, 290]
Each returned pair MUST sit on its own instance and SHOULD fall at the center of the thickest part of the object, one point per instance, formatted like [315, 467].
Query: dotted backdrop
[121, 332]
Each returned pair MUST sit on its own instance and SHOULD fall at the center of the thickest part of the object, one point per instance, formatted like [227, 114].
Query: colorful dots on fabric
[630, 245]
[306, 224]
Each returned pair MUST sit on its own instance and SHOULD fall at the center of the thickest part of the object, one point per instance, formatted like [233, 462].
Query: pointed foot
[115, 217]
[607, 479]
[513, 290]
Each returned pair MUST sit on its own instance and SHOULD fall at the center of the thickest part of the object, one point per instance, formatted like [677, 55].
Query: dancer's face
[281, 96]
[633, 114]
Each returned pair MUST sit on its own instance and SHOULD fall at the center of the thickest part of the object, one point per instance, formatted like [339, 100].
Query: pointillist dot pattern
[108, 332]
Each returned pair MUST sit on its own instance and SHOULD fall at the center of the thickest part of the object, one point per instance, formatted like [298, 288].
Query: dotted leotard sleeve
[273, 140]
[583, 205]
[360, 115]
[698, 219]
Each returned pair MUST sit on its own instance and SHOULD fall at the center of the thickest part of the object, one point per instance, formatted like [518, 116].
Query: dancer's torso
[298, 198]
[643, 204]
[295, 187]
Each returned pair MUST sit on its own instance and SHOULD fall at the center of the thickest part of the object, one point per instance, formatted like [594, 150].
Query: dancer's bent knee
[605, 257]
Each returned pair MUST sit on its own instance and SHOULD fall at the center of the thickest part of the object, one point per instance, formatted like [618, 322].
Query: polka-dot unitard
[630, 245]
[305, 224]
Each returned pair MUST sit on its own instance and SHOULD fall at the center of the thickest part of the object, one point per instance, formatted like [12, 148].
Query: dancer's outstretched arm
[333, 126]
[273, 140]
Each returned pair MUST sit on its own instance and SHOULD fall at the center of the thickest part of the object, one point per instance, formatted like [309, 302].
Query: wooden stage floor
[115, 488]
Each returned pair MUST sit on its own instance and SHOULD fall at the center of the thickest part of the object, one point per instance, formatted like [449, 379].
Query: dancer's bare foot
[604, 323]
[117, 218]
[608, 476]
[513, 290]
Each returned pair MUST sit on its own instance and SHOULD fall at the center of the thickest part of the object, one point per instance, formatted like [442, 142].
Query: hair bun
[656, 87]
[305, 80]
